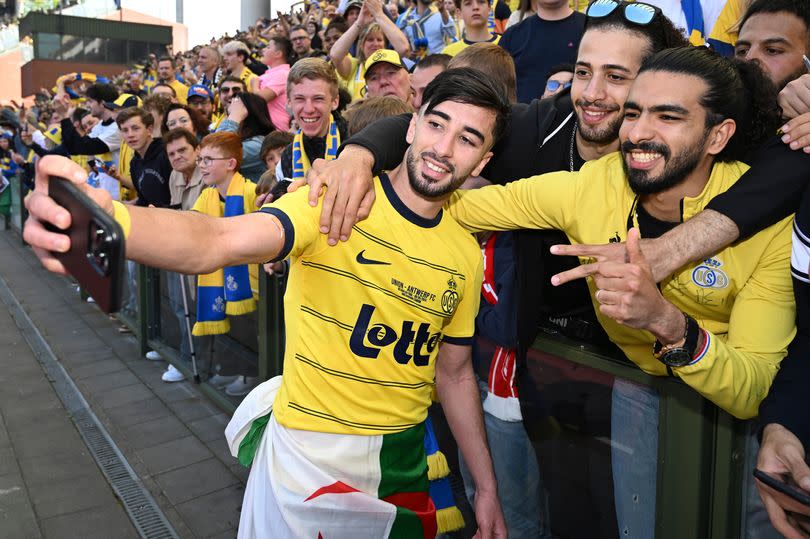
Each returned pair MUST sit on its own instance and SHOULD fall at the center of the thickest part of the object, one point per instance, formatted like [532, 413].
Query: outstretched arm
[458, 391]
[197, 243]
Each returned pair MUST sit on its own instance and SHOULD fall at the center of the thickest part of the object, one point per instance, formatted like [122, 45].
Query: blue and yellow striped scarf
[226, 291]
[448, 515]
[300, 161]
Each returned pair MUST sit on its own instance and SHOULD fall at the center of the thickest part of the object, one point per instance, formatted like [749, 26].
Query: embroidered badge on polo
[709, 274]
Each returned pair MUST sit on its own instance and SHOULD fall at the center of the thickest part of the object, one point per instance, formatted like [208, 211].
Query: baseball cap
[384, 55]
[54, 134]
[123, 101]
[198, 90]
[352, 3]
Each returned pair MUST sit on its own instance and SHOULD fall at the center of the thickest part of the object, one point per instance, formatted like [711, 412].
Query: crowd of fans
[271, 100]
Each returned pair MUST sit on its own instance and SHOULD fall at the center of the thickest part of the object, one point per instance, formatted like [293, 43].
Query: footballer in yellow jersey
[371, 326]
[406, 284]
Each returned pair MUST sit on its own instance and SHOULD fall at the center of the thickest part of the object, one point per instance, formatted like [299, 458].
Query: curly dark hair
[738, 90]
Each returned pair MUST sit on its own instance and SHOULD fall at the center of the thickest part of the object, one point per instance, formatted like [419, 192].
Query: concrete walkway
[171, 435]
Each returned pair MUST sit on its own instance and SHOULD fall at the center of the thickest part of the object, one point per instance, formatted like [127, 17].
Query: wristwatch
[673, 355]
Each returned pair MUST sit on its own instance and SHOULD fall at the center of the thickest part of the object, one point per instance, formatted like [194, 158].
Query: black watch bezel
[676, 357]
[682, 355]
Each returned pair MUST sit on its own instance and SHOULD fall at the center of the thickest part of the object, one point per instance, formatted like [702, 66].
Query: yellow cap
[54, 134]
[123, 101]
[384, 55]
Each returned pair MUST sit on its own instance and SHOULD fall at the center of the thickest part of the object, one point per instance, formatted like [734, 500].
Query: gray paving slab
[174, 454]
[5, 441]
[240, 471]
[98, 368]
[27, 410]
[123, 395]
[194, 408]
[154, 432]
[70, 495]
[210, 428]
[46, 470]
[8, 461]
[230, 534]
[171, 433]
[195, 480]
[103, 522]
[137, 412]
[219, 447]
[17, 518]
[53, 438]
[103, 383]
[214, 513]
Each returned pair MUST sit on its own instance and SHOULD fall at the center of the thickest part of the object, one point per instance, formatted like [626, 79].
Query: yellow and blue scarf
[300, 161]
[448, 515]
[226, 291]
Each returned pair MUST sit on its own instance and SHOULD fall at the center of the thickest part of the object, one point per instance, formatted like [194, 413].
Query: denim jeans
[634, 422]
[756, 523]
[634, 456]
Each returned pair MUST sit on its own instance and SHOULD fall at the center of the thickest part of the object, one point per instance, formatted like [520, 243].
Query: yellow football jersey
[365, 318]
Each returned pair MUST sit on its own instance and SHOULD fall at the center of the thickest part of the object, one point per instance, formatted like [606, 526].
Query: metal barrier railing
[701, 480]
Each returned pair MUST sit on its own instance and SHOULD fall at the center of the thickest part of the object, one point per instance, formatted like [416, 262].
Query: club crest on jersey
[709, 274]
[450, 297]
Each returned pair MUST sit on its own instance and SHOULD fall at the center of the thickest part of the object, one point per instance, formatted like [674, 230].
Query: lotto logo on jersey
[367, 340]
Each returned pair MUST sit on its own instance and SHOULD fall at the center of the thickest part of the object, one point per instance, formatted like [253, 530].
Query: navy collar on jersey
[490, 40]
[402, 209]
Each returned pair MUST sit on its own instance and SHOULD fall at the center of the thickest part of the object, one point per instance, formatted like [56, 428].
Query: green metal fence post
[148, 306]
[271, 325]
[276, 305]
[701, 451]
[264, 325]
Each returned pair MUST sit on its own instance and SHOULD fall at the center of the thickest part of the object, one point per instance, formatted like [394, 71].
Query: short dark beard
[793, 76]
[424, 187]
[602, 135]
[675, 171]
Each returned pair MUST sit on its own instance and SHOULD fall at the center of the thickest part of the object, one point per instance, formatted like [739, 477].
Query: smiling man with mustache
[689, 117]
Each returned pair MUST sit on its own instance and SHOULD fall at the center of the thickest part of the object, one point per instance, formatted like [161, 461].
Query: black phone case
[96, 255]
[780, 486]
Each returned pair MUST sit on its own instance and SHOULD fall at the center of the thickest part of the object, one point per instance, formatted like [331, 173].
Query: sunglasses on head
[554, 85]
[636, 12]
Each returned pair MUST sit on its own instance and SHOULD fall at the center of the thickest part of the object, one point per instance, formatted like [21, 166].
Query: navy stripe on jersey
[413, 259]
[289, 232]
[369, 284]
[326, 318]
[460, 341]
[362, 379]
[329, 417]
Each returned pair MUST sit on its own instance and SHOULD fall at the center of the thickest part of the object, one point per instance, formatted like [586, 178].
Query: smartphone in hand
[779, 484]
[96, 255]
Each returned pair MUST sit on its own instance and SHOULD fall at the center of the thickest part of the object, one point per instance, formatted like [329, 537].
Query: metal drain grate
[144, 512]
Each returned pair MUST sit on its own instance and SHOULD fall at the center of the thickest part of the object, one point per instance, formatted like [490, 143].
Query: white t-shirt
[110, 135]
